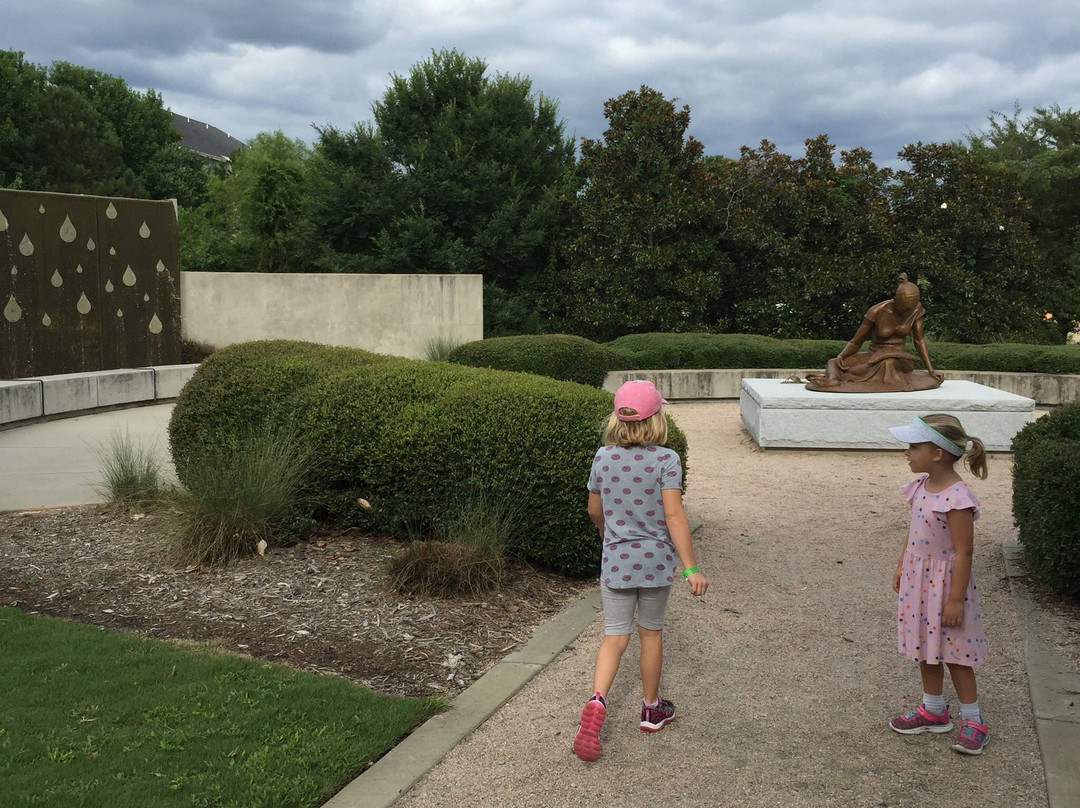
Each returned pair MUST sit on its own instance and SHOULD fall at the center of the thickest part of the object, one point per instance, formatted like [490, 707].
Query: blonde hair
[652, 430]
[950, 427]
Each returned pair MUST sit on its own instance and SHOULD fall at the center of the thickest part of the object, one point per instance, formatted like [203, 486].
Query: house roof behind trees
[205, 139]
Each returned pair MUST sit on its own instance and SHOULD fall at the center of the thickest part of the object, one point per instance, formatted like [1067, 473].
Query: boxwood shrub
[410, 436]
[1006, 357]
[559, 356]
[246, 386]
[716, 351]
[1046, 496]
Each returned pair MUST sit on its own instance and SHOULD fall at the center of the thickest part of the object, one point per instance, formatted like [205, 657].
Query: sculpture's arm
[919, 338]
[861, 335]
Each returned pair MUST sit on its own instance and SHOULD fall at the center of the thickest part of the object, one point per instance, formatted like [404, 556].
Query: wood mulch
[324, 605]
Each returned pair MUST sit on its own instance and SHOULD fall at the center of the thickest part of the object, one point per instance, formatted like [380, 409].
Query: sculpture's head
[907, 295]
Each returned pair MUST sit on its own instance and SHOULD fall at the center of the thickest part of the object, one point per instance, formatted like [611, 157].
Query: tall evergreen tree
[641, 255]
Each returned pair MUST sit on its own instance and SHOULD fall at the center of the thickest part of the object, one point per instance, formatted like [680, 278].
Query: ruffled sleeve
[911, 487]
[955, 498]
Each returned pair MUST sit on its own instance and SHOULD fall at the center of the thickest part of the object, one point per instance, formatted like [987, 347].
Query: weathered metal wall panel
[86, 283]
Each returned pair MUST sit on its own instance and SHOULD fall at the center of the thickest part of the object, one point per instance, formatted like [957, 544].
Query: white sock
[934, 704]
[971, 711]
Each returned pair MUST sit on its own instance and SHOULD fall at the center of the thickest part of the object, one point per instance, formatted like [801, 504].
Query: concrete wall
[387, 314]
[1047, 389]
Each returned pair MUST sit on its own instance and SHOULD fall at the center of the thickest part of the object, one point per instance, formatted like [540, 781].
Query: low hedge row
[716, 351]
[1046, 479]
[410, 436]
[559, 356]
[573, 358]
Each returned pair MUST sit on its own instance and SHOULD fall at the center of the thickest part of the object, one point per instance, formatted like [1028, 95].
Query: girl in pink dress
[939, 621]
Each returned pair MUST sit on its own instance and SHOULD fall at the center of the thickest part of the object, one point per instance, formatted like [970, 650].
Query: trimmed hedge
[245, 386]
[409, 436]
[1046, 496]
[576, 359]
[714, 351]
[1006, 357]
[558, 356]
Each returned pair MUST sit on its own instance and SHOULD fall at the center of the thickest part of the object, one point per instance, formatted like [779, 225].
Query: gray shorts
[619, 605]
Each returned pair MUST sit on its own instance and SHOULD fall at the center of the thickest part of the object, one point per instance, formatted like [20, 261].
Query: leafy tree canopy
[71, 129]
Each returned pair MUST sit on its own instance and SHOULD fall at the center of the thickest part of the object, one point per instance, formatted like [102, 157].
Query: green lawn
[96, 717]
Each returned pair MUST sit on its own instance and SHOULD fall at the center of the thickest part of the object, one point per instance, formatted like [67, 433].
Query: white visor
[918, 431]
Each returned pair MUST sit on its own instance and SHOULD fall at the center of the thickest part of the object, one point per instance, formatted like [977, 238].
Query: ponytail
[950, 427]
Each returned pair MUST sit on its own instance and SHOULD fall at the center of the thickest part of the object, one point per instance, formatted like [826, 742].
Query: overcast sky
[864, 72]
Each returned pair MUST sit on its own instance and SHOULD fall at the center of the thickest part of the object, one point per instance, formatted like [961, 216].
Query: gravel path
[786, 673]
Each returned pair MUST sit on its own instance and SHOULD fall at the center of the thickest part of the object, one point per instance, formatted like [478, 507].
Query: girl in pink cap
[635, 500]
[939, 619]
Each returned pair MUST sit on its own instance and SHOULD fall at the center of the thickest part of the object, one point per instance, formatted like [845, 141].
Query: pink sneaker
[587, 740]
[972, 738]
[921, 720]
[654, 719]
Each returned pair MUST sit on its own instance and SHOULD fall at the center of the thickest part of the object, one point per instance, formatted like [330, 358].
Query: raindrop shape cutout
[112, 250]
[119, 312]
[155, 325]
[146, 298]
[14, 270]
[46, 320]
[41, 209]
[108, 286]
[129, 277]
[26, 246]
[90, 245]
[111, 211]
[83, 305]
[56, 280]
[78, 269]
[144, 231]
[160, 265]
[67, 230]
[3, 222]
[12, 311]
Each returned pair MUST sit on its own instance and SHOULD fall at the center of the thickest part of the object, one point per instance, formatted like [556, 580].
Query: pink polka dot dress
[925, 581]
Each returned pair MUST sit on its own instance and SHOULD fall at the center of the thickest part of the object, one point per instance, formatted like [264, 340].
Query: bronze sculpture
[886, 366]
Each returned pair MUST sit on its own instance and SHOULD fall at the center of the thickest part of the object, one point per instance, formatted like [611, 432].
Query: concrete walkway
[57, 463]
[49, 464]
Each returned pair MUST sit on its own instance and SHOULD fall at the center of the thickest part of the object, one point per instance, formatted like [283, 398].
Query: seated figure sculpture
[886, 366]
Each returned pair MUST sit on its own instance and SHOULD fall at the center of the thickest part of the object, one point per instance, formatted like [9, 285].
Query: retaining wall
[386, 314]
[75, 393]
[1047, 389]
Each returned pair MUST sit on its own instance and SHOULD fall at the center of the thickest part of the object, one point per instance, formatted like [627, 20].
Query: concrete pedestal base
[779, 414]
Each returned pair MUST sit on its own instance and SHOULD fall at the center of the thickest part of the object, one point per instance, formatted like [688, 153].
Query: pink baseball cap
[637, 400]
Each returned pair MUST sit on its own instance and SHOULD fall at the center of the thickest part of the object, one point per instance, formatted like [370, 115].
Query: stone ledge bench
[72, 393]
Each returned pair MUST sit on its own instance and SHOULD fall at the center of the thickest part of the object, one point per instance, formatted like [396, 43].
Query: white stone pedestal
[779, 414]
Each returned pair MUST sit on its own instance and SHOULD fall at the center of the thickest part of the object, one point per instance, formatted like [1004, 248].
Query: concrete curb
[400, 769]
[1055, 697]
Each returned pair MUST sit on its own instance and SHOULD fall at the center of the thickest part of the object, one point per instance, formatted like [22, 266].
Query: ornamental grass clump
[240, 501]
[465, 553]
[131, 473]
[438, 349]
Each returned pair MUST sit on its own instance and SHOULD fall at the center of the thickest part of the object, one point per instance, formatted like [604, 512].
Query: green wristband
[688, 572]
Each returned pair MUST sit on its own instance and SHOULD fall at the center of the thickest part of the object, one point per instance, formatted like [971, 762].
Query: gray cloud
[861, 72]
